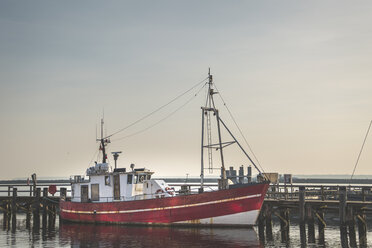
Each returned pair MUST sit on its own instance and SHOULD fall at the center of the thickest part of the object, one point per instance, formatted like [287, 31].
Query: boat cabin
[118, 185]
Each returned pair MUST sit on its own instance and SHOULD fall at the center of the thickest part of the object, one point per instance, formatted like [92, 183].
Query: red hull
[171, 209]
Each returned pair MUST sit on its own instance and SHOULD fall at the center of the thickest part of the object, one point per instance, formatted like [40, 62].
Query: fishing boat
[132, 196]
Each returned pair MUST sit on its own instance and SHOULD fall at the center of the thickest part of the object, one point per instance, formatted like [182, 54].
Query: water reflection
[34, 231]
[23, 230]
[86, 235]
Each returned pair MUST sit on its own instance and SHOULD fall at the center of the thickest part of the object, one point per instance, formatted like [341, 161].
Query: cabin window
[147, 185]
[107, 180]
[148, 177]
[95, 192]
[130, 179]
[141, 178]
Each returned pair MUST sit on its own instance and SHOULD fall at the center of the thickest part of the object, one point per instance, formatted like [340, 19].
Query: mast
[206, 117]
[103, 141]
[202, 154]
[210, 107]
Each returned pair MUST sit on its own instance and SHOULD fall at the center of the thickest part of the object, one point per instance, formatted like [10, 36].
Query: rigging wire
[95, 154]
[360, 152]
[236, 124]
[163, 119]
[156, 110]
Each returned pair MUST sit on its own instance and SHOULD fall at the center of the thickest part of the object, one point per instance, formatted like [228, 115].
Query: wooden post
[28, 216]
[286, 217]
[261, 226]
[51, 215]
[350, 219]
[14, 209]
[5, 215]
[362, 229]
[322, 192]
[302, 215]
[284, 224]
[36, 206]
[45, 206]
[310, 224]
[269, 227]
[321, 225]
[14, 202]
[342, 214]
[9, 190]
[36, 210]
[9, 215]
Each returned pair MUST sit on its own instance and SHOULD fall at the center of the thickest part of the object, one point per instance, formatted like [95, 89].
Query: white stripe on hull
[245, 218]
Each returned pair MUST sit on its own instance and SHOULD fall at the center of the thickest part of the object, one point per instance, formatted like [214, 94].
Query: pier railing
[25, 189]
[318, 192]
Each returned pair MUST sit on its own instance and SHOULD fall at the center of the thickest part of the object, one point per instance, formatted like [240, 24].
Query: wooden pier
[34, 201]
[309, 204]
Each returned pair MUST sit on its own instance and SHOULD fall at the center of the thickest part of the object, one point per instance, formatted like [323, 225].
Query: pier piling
[362, 229]
[261, 226]
[310, 224]
[45, 206]
[342, 214]
[14, 208]
[284, 224]
[28, 216]
[14, 201]
[321, 225]
[302, 215]
[269, 225]
[350, 219]
[36, 205]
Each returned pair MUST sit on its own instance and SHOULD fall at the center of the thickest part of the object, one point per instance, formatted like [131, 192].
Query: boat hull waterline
[234, 206]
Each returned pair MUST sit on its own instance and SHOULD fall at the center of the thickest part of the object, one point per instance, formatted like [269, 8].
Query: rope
[95, 153]
[156, 110]
[360, 152]
[163, 119]
[280, 217]
[240, 131]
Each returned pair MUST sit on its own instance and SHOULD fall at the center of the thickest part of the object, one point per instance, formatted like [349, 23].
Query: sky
[296, 75]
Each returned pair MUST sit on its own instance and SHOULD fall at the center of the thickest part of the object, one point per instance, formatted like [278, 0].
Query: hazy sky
[296, 75]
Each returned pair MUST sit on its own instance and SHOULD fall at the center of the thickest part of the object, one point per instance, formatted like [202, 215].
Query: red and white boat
[132, 197]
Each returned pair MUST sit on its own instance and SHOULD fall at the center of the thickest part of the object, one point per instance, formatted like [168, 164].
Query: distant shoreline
[296, 179]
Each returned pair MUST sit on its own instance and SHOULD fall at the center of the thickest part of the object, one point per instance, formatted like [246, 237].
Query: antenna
[103, 141]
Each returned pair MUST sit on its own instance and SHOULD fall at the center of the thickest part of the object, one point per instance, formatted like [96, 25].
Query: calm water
[58, 234]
